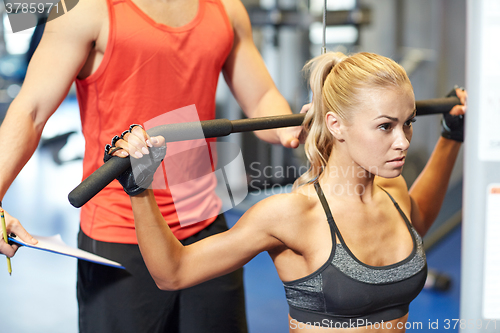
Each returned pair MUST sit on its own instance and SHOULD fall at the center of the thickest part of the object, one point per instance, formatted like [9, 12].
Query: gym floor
[40, 296]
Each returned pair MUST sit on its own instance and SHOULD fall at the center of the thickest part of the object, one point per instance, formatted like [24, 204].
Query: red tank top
[149, 69]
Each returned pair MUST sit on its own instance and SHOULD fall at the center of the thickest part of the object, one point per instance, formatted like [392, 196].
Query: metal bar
[291, 18]
[211, 129]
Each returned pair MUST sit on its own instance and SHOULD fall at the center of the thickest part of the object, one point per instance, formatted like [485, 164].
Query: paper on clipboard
[55, 244]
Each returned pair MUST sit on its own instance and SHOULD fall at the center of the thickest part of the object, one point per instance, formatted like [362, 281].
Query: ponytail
[319, 141]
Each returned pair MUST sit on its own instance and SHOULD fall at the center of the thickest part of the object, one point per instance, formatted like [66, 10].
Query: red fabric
[147, 70]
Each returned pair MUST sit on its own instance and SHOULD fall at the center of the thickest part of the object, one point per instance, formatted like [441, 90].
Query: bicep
[62, 51]
[245, 71]
[225, 252]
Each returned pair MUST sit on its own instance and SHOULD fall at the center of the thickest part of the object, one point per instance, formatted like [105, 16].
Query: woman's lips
[397, 162]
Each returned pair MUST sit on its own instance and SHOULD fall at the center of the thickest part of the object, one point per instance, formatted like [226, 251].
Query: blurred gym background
[426, 36]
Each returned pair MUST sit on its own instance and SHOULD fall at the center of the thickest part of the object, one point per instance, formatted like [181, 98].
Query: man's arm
[59, 57]
[249, 80]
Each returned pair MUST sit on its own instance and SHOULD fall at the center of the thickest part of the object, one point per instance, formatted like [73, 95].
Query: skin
[73, 45]
[297, 235]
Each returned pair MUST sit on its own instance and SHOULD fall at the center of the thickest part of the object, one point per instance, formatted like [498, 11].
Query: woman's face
[378, 136]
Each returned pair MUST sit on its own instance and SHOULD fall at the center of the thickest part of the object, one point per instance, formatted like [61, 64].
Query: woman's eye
[385, 126]
[409, 122]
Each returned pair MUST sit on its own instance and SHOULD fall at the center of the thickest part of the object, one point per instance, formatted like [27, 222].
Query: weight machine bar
[211, 129]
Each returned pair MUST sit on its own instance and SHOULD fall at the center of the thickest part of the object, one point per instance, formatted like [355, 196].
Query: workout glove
[139, 176]
[453, 126]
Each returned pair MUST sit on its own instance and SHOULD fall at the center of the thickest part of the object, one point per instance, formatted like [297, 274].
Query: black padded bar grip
[211, 129]
[176, 132]
[436, 105]
[263, 123]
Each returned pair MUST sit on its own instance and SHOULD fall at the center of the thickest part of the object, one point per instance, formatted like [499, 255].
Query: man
[133, 60]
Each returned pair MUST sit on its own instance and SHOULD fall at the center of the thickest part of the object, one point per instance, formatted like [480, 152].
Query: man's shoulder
[235, 10]
[85, 15]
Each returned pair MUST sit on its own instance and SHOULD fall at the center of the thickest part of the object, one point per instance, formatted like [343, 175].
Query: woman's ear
[334, 125]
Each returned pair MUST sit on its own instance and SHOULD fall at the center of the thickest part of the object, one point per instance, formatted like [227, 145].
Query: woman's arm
[175, 266]
[429, 189]
[171, 264]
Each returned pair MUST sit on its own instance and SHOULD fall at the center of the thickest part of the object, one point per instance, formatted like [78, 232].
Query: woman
[347, 241]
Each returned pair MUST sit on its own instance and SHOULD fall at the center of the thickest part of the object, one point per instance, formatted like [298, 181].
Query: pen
[4, 231]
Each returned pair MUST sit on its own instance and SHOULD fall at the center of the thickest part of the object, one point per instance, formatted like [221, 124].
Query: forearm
[161, 250]
[19, 138]
[429, 189]
[272, 103]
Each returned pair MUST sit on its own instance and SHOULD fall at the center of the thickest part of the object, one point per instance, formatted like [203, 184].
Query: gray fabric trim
[307, 294]
[350, 267]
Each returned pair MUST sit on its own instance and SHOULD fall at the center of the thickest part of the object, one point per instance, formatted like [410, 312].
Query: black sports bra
[345, 292]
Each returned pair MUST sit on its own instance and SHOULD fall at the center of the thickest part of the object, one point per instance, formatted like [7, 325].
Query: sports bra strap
[397, 207]
[328, 212]
[329, 215]
[323, 201]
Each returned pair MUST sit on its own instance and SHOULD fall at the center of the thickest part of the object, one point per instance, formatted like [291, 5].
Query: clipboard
[55, 244]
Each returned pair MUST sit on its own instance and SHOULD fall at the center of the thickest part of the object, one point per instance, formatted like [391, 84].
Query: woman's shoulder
[297, 200]
[397, 188]
[397, 183]
[286, 217]
[287, 206]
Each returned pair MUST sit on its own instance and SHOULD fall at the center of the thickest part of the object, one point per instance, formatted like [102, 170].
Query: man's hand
[15, 227]
[291, 137]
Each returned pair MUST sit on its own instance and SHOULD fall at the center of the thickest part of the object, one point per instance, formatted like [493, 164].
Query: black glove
[453, 126]
[139, 176]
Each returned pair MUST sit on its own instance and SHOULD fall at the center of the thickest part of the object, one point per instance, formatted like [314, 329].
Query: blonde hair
[337, 82]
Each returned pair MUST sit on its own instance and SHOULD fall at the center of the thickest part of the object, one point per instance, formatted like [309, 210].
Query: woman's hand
[147, 152]
[135, 143]
[453, 122]
[458, 110]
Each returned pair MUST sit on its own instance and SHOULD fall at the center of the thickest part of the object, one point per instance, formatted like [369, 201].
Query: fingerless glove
[139, 176]
[452, 126]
